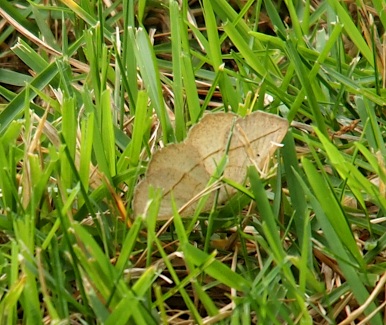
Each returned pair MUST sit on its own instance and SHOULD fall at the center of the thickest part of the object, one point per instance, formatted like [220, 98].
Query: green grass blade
[333, 236]
[352, 30]
[296, 193]
[216, 269]
[15, 108]
[179, 109]
[148, 66]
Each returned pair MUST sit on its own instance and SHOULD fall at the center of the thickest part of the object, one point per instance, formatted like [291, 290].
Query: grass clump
[89, 91]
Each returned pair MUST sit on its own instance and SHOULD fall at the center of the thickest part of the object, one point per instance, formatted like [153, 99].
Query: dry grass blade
[356, 313]
[24, 31]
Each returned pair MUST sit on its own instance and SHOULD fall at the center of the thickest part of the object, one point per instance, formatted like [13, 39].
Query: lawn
[140, 183]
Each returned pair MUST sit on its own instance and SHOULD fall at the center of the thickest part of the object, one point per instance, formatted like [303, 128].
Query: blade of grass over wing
[201, 203]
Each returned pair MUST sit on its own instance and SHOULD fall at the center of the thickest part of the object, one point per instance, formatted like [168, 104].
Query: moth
[185, 168]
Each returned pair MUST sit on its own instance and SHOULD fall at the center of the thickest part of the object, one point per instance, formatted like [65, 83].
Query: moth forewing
[185, 168]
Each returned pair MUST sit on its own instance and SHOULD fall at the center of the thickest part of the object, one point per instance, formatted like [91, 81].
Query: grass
[89, 92]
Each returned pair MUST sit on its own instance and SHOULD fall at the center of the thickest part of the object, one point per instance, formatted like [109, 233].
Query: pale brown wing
[210, 137]
[186, 168]
[178, 168]
[257, 133]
